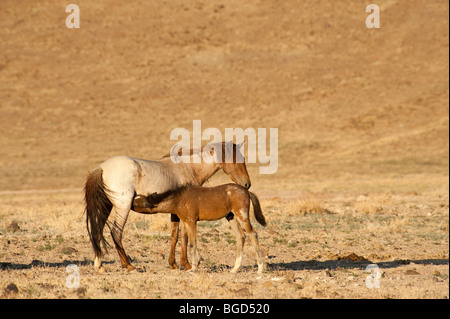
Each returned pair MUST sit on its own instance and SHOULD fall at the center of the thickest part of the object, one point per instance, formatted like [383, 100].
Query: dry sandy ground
[363, 144]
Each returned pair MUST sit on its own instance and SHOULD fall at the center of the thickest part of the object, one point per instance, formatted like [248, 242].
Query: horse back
[216, 202]
[158, 176]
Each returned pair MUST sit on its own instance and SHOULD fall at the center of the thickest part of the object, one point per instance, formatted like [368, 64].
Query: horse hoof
[174, 266]
[260, 268]
[187, 267]
[130, 268]
[100, 269]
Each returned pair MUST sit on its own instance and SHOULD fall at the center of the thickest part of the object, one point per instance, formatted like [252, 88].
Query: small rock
[67, 250]
[81, 292]
[243, 292]
[411, 272]
[11, 289]
[13, 227]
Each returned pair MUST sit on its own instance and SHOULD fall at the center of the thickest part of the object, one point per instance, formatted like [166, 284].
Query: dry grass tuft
[370, 205]
[310, 205]
[152, 223]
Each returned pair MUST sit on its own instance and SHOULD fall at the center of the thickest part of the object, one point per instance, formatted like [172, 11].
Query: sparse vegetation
[318, 252]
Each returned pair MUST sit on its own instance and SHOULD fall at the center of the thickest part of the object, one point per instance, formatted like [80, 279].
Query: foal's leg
[240, 240]
[175, 221]
[184, 242]
[245, 223]
[254, 240]
[191, 229]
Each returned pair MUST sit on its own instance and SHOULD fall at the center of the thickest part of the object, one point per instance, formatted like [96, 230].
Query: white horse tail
[97, 208]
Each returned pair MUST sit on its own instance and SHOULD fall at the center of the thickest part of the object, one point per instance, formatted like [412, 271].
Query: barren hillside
[349, 102]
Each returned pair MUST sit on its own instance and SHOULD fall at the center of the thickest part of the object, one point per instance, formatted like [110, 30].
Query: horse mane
[155, 198]
[192, 151]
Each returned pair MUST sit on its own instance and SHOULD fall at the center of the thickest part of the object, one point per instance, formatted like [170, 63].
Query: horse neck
[192, 172]
[168, 206]
[203, 171]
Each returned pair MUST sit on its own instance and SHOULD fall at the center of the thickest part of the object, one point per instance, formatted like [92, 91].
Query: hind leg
[98, 263]
[98, 260]
[116, 232]
[240, 239]
[120, 175]
[254, 239]
[245, 223]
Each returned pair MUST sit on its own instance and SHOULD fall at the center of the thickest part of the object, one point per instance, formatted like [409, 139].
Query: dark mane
[191, 152]
[155, 198]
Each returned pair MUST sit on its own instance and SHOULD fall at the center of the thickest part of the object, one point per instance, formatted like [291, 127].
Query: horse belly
[211, 209]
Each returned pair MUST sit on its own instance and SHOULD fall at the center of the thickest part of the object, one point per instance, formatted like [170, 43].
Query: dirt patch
[352, 257]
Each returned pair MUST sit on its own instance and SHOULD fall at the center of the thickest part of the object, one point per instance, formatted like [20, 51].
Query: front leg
[184, 263]
[191, 230]
[175, 222]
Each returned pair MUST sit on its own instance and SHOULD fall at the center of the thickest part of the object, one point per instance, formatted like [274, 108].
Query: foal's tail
[97, 208]
[257, 209]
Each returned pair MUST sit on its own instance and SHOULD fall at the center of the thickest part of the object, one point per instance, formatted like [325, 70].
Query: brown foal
[195, 203]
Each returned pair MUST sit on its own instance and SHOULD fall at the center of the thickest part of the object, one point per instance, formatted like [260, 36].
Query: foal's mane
[155, 198]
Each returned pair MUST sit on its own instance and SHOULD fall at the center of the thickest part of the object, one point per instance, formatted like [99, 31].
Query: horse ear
[240, 145]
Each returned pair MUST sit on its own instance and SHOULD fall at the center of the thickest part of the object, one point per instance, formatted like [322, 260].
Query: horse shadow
[281, 266]
[42, 264]
[346, 264]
